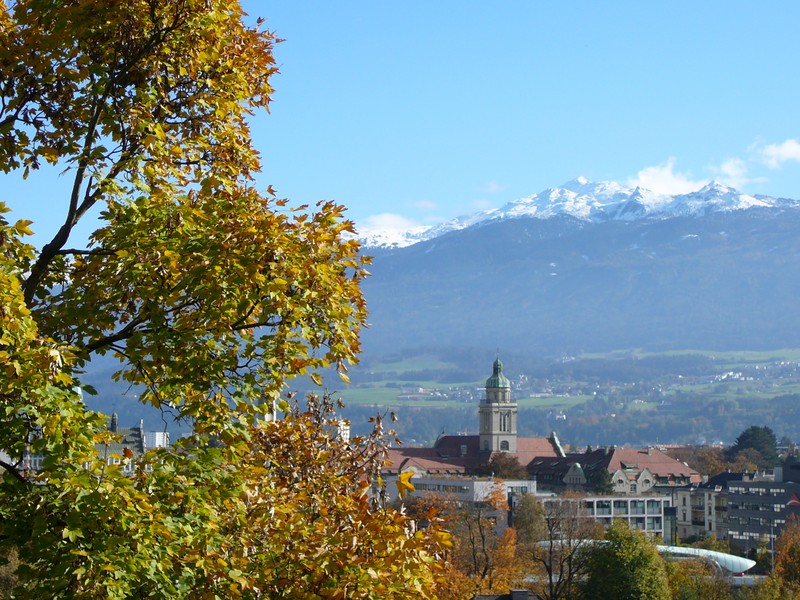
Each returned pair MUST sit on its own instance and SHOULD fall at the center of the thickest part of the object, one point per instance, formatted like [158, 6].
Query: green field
[388, 377]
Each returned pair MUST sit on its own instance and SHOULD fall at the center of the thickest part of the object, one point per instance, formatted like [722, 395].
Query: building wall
[640, 512]
[498, 423]
[467, 489]
[701, 512]
[156, 439]
[758, 510]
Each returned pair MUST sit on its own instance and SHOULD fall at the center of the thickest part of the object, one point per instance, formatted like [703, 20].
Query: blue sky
[415, 112]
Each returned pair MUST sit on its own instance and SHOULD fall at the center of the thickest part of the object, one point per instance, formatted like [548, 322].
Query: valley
[637, 398]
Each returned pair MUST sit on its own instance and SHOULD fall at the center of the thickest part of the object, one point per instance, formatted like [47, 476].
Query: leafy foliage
[627, 566]
[212, 295]
[691, 579]
[601, 481]
[787, 553]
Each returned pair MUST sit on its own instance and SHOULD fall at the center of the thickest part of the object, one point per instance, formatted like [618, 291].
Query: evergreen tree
[761, 439]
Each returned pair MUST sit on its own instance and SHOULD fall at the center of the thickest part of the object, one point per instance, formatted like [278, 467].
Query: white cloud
[481, 204]
[774, 155]
[664, 180]
[426, 205]
[493, 187]
[733, 172]
[387, 222]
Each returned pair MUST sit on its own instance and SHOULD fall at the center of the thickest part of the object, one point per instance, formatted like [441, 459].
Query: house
[631, 471]
[132, 442]
[646, 513]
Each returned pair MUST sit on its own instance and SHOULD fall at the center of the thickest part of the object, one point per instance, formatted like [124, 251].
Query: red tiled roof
[529, 448]
[424, 459]
[656, 461]
[461, 454]
[614, 459]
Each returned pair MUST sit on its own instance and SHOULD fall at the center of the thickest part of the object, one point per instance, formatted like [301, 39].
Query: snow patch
[589, 202]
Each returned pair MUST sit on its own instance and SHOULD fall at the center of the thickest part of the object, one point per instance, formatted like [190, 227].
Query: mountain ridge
[590, 202]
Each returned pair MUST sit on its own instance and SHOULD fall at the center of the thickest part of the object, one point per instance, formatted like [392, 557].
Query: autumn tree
[212, 294]
[712, 542]
[483, 558]
[708, 460]
[552, 537]
[787, 555]
[626, 566]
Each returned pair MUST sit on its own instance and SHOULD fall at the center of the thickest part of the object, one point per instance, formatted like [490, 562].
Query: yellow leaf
[404, 484]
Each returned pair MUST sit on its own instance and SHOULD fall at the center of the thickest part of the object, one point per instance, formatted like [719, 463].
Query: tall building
[460, 455]
[758, 509]
[498, 414]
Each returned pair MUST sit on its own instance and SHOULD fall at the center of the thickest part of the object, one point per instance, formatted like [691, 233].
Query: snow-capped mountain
[591, 202]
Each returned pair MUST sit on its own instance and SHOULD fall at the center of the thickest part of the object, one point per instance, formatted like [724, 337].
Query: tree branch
[76, 252]
[51, 248]
[14, 471]
[122, 334]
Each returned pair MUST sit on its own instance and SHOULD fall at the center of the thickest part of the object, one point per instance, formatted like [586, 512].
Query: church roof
[462, 453]
[498, 380]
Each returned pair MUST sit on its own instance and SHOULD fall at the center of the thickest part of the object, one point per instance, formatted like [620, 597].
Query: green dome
[498, 380]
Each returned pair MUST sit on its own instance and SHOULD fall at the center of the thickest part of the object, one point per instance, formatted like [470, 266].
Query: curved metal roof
[729, 562]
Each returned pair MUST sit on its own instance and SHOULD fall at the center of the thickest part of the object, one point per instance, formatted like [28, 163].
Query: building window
[505, 421]
[504, 446]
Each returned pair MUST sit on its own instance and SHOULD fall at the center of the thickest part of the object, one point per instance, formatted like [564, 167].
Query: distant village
[646, 487]
[523, 386]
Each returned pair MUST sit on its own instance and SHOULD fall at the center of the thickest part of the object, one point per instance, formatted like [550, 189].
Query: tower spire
[498, 414]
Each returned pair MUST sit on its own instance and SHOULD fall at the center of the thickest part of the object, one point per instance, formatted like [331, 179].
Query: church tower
[498, 414]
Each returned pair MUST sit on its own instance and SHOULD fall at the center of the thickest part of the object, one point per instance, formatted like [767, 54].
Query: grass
[552, 401]
[387, 391]
[733, 357]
